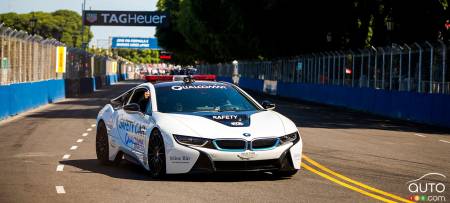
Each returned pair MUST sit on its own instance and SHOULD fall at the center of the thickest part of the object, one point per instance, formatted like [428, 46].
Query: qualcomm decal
[186, 87]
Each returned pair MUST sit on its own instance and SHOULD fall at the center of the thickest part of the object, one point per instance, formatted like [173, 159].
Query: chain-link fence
[26, 57]
[418, 67]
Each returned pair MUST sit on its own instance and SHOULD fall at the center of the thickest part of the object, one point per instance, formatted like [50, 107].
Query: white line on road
[80, 140]
[420, 135]
[445, 141]
[93, 125]
[60, 190]
[89, 129]
[84, 134]
[60, 167]
[74, 147]
[66, 156]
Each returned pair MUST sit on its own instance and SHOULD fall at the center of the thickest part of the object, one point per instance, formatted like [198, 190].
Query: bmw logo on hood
[247, 134]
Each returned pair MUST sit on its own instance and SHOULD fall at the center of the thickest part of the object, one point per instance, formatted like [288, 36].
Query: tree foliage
[217, 30]
[63, 25]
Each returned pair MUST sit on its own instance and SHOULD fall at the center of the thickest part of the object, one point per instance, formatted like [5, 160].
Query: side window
[140, 98]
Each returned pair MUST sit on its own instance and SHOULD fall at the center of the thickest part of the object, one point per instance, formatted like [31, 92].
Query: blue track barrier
[20, 97]
[87, 85]
[225, 79]
[111, 79]
[251, 84]
[123, 76]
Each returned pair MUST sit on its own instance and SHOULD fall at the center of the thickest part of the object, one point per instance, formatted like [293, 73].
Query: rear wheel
[156, 155]
[102, 146]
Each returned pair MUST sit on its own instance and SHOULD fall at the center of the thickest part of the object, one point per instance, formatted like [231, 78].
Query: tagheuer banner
[125, 18]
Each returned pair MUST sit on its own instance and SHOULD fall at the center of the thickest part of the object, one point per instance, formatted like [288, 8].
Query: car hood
[223, 124]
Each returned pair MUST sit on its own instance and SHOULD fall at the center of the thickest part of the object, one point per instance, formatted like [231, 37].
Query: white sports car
[197, 126]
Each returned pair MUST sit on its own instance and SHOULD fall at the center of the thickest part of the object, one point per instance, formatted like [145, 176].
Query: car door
[118, 124]
[133, 125]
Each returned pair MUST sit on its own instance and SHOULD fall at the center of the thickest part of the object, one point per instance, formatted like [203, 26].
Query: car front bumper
[198, 159]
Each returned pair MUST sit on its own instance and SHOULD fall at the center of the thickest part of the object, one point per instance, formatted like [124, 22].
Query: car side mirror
[268, 105]
[132, 108]
[116, 102]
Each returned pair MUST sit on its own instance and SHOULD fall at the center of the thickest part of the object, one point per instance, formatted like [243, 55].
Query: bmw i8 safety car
[197, 126]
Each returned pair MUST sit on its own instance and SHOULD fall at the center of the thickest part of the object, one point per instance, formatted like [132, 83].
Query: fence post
[333, 67]
[328, 67]
[409, 67]
[420, 68]
[361, 67]
[343, 67]
[400, 69]
[382, 67]
[338, 74]
[375, 66]
[431, 66]
[353, 67]
[444, 56]
[390, 67]
[369, 55]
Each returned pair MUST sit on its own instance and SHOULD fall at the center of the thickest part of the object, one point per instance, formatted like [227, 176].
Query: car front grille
[242, 145]
[264, 144]
[230, 145]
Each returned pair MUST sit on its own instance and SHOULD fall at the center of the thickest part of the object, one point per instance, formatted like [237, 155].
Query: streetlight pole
[83, 6]
[33, 23]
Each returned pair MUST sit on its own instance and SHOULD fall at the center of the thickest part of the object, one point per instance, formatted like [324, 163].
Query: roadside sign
[60, 59]
[125, 18]
[134, 43]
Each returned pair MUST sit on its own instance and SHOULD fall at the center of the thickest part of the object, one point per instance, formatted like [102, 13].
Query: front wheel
[156, 155]
[102, 146]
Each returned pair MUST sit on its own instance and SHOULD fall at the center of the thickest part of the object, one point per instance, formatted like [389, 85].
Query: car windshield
[204, 97]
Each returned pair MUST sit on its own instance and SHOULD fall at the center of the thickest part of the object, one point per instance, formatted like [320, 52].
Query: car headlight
[293, 137]
[191, 141]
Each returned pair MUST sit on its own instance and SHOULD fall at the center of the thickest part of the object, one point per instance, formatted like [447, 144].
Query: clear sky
[101, 33]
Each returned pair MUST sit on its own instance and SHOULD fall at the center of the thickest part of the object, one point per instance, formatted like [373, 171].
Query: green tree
[217, 30]
[63, 25]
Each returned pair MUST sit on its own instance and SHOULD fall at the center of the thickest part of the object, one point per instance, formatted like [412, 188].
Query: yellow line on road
[354, 181]
[345, 184]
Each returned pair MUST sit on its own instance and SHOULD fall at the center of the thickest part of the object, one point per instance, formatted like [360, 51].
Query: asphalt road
[376, 152]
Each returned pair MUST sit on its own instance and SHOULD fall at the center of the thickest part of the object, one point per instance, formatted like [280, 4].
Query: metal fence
[26, 57]
[418, 67]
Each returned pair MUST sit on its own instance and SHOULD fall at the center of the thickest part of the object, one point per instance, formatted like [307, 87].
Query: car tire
[156, 155]
[284, 174]
[102, 146]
